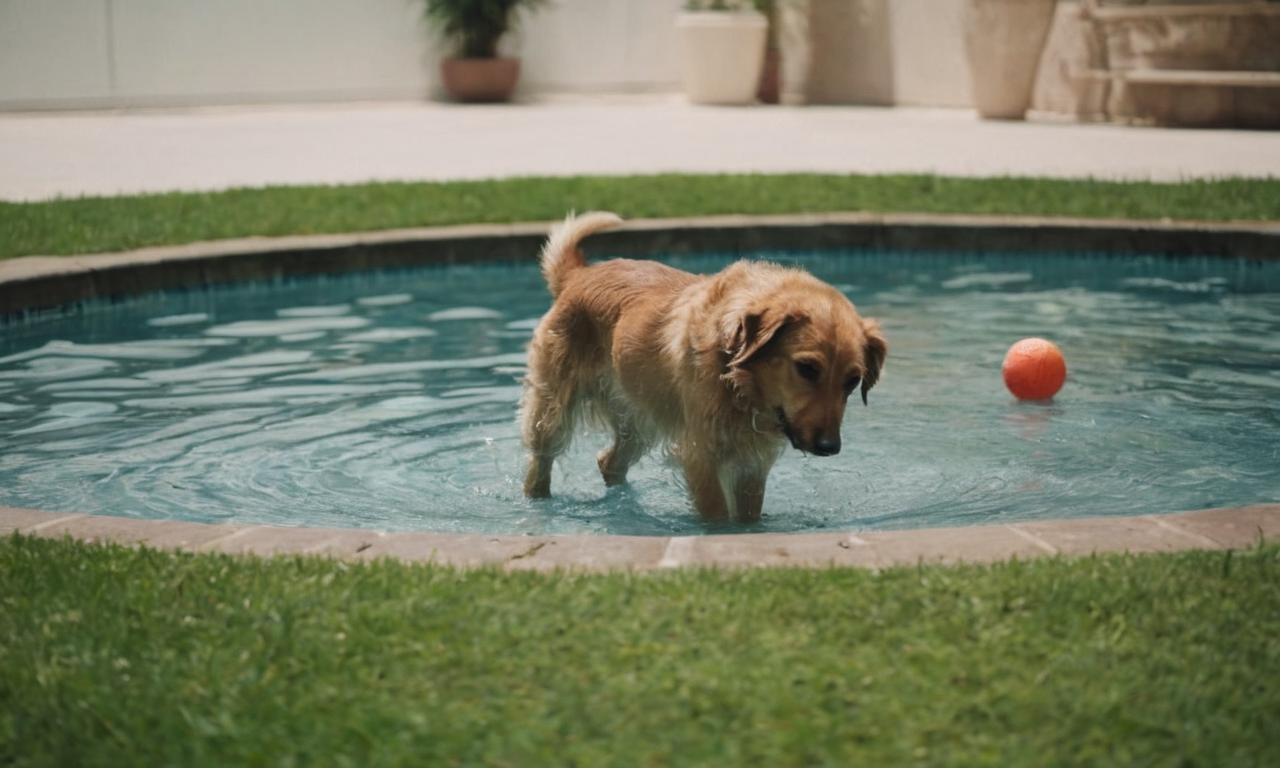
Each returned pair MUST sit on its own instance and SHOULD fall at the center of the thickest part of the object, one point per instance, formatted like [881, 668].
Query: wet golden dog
[721, 368]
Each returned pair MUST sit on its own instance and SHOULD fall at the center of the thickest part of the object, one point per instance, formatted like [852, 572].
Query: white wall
[230, 50]
[602, 45]
[53, 50]
[92, 53]
[122, 53]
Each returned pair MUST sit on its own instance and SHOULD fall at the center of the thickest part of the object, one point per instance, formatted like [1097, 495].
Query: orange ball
[1034, 369]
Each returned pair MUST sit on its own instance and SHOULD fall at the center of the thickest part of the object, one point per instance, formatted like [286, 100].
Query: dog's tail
[561, 254]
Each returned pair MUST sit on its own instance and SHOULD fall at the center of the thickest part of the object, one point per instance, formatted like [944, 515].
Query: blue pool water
[388, 401]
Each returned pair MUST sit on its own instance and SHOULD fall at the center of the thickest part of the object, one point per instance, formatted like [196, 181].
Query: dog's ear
[741, 338]
[747, 334]
[874, 351]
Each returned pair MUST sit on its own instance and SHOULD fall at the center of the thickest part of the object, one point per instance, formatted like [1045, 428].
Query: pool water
[388, 401]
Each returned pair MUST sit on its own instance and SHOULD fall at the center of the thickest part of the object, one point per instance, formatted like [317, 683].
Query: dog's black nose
[826, 447]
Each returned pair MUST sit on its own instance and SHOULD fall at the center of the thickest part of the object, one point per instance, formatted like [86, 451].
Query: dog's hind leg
[629, 444]
[547, 411]
[547, 424]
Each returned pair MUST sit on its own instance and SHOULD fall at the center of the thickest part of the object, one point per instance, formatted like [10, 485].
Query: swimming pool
[387, 400]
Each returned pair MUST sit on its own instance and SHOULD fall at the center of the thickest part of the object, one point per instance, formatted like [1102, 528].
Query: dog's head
[798, 356]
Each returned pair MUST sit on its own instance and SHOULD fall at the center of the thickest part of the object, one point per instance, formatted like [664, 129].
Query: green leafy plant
[474, 27]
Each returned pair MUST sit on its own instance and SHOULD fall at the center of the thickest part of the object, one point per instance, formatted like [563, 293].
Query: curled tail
[561, 255]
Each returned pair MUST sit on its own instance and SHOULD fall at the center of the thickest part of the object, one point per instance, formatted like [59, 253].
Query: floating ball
[1034, 369]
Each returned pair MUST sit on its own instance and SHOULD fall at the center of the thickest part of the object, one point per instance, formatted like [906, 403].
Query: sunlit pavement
[67, 154]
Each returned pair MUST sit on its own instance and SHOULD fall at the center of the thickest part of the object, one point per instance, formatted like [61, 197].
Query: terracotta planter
[480, 80]
[1003, 40]
[722, 54]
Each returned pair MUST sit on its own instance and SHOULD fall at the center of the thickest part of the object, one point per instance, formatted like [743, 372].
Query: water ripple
[389, 401]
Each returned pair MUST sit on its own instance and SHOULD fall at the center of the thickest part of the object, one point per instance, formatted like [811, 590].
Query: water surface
[388, 401]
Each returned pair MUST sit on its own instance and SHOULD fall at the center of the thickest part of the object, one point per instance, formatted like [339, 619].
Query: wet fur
[711, 366]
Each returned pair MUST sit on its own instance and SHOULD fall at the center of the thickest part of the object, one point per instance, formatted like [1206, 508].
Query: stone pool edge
[41, 282]
[1214, 529]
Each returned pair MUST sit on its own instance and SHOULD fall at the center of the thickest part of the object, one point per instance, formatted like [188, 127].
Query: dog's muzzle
[787, 429]
[822, 446]
[825, 447]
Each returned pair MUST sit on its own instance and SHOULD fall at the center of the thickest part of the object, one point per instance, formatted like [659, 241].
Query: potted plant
[1003, 40]
[476, 72]
[722, 47]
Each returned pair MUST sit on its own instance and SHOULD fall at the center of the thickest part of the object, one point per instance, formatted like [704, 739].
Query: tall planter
[722, 54]
[1003, 40]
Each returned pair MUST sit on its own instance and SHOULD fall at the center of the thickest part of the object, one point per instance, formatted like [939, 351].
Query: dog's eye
[807, 371]
[851, 385]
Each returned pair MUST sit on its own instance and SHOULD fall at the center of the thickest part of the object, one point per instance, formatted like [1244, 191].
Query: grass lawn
[114, 656]
[120, 223]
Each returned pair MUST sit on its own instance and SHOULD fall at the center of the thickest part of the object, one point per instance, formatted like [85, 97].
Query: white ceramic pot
[1003, 40]
[722, 53]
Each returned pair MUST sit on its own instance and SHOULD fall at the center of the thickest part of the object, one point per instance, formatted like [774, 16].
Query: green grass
[113, 656]
[121, 223]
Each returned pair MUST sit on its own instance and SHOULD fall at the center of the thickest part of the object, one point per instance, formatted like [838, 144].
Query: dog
[723, 369]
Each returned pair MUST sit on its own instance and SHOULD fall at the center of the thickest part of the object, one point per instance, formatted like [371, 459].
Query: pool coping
[31, 283]
[36, 283]
[1211, 529]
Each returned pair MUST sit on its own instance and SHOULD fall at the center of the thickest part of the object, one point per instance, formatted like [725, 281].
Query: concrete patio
[68, 154]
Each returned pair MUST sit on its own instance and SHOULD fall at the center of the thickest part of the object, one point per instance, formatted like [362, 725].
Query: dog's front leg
[748, 494]
[703, 479]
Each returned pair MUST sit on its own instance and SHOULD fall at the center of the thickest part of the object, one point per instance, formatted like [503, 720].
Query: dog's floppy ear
[742, 336]
[875, 350]
[745, 336]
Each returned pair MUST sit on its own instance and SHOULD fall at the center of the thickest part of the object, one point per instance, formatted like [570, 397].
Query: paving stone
[15, 519]
[974, 544]
[782, 549]
[1084, 536]
[593, 553]
[278, 540]
[163, 534]
[464, 550]
[1232, 527]
[346, 544]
